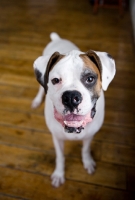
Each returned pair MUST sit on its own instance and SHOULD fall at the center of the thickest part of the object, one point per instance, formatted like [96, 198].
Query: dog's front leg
[88, 162]
[58, 174]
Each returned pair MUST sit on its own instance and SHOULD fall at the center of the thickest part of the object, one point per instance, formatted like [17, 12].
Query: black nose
[71, 99]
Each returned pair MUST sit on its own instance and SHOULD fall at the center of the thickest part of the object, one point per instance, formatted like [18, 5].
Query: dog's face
[74, 82]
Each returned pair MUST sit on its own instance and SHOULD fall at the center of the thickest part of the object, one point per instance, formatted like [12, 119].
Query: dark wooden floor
[26, 150]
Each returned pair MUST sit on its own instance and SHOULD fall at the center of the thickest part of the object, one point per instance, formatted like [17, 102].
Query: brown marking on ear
[54, 59]
[92, 66]
[95, 59]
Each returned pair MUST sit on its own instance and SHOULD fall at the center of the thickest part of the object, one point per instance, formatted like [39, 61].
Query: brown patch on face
[91, 66]
[54, 59]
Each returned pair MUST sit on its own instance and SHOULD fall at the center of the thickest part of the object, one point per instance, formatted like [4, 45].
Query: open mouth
[73, 123]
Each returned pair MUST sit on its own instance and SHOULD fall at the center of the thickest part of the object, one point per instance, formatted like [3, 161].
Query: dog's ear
[42, 67]
[105, 64]
[52, 61]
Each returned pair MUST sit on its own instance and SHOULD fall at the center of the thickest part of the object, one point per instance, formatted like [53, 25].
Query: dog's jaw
[72, 123]
[73, 129]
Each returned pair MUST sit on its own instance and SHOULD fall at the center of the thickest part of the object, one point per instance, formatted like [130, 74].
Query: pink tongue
[72, 120]
[73, 117]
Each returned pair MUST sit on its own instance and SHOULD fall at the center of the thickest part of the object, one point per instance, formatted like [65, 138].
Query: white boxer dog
[73, 82]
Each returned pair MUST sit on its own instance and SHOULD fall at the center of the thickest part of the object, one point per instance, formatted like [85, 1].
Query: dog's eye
[55, 81]
[90, 79]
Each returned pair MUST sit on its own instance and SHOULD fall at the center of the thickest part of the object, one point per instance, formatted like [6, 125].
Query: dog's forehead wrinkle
[71, 59]
[88, 70]
[68, 69]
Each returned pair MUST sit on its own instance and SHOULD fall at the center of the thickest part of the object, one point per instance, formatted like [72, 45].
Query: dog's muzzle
[73, 123]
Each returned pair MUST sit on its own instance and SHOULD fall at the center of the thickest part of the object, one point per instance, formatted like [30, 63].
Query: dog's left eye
[90, 79]
[55, 81]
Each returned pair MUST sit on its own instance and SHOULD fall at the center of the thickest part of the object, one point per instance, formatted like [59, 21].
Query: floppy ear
[108, 68]
[42, 67]
[105, 64]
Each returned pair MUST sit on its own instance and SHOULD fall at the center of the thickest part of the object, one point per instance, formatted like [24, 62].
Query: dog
[73, 82]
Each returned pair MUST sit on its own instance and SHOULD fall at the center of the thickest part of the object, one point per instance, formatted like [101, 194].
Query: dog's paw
[57, 179]
[36, 102]
[89, 165]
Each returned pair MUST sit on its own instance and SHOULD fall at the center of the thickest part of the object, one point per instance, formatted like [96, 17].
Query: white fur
[70, 68]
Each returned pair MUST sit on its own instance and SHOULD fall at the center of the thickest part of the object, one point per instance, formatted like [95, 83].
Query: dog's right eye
[55, 81]
[90, 80]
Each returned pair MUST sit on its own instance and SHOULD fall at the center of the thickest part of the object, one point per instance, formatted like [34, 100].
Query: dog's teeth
[65, 123]
[73, 123]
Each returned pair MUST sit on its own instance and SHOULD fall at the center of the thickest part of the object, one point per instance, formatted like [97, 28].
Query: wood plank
[131, 178]
[118, 81]
[19, 80]
[24, 120]
[120, 93]
[120, 154]
[122, 65]
[30, 139]
[23, 49]
[116, 134]
[18, 51]
[43, 163]
[120, 119]
[9, 197]
[32, 186]
[19, 92]
[42, 141]
[20, 104]
[119, 105]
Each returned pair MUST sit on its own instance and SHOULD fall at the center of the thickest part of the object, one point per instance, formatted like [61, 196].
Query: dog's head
[74, 82]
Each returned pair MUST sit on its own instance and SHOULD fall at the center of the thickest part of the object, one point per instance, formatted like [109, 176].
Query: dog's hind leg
[88, 162]
[39, 97]
[58, 174]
